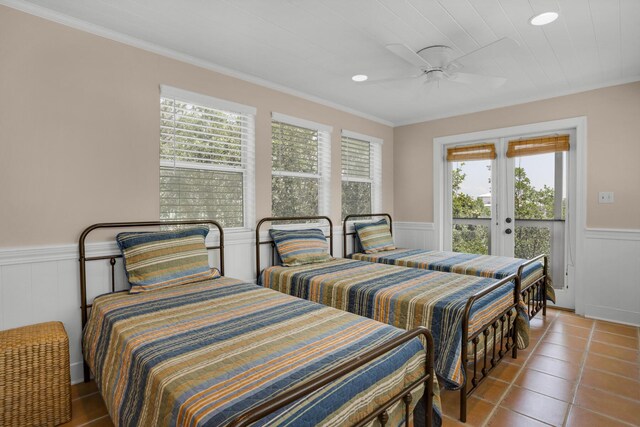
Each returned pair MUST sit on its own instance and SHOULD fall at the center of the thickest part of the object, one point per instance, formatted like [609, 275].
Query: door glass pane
[471, 206]
[540, 210]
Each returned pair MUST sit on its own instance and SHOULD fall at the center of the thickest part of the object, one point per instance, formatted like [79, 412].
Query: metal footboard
[494, 340]
[381, 414]
[535, 294]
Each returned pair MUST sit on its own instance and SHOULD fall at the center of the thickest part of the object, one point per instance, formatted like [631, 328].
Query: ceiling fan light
[543, 18]
[360, 78]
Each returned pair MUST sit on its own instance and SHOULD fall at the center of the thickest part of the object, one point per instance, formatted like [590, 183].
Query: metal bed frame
[534, 295]
[252, 415]
[493, 331]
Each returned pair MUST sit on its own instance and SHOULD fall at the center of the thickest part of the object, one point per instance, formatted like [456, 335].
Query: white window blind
[361, 174]
[206, 159]
[301, 167]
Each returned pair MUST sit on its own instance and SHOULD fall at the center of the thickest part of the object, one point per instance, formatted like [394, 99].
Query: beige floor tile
[506, 371]
[614, 366]
[612, 383]
[478, 410]
[608, 404]
[560, 352]
[523, 355]
[83, 389]
[555, 367]
[576, 320]
[100, 422]
[580, 417]
[614, 351]
[614, 339]
[536, 405]
[572, 330]
[548, 385]
[507, 418]
[491, 390]
[451, 422]
[615, 328]
[86, 409]
[574, 343]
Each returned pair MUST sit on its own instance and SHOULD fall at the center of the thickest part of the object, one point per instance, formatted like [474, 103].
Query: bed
[466, 314]
[535, 283]
[223, 352]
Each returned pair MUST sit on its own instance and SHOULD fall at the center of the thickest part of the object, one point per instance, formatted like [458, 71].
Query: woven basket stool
[35, 386]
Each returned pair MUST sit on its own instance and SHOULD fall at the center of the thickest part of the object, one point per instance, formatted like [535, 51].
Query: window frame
[248, 140]
[324, 159]
[375, 146]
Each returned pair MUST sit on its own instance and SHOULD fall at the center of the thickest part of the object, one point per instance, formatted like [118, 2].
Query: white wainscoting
[612, 275]
[42, 284]
[416, 235]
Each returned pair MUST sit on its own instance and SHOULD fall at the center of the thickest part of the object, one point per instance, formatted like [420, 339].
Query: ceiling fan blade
[478, 80]
[501, 47]
[391, 79]
[406, 53]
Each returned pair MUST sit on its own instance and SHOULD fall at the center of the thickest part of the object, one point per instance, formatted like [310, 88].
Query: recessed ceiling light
[359, 78]
[543, 18]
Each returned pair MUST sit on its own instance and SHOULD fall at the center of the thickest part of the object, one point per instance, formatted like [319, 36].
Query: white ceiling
[315, 46]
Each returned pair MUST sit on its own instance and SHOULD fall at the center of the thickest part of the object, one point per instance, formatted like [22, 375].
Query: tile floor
[576, 372]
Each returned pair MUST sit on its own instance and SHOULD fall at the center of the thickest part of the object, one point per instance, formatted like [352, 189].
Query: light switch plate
[605, 197]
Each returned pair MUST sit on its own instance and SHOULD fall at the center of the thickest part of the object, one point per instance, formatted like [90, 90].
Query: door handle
[508, 231]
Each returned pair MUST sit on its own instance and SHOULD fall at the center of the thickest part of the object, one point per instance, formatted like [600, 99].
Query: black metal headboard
[270, 241]
[112, 258]
[354, 234]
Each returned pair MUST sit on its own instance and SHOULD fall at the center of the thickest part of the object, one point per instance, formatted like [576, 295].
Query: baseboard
[614, 315]
[555, 307]
[77, 372]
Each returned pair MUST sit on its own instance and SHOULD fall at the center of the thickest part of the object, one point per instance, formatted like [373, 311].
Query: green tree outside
[530, 203]
[472, 239]
[201, 155]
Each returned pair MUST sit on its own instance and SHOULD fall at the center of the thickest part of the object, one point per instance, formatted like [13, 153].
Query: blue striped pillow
[298, 247]
[375, 236]
[157, 260]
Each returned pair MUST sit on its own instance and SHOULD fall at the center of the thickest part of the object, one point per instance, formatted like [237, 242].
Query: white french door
[513, 206]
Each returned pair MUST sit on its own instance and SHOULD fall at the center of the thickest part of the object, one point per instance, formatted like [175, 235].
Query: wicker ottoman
[35, 387]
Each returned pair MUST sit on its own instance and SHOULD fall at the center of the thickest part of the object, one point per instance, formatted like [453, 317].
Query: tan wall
[613, 151]
[79, 130]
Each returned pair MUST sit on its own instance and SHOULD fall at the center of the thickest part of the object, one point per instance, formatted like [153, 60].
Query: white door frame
[577, 185]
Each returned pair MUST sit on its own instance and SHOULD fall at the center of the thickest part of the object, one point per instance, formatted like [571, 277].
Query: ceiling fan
[435, 63]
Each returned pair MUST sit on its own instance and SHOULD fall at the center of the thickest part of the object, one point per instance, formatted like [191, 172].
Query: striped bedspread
[497, 267]
[200, 354]
[402, 297]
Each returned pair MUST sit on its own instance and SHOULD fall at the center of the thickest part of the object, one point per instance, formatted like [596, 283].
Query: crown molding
[78, 24]
[525, 100]
[69, 21]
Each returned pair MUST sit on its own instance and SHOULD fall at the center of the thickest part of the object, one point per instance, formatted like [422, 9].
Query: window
[206, 158]
[361, 174]
[300, 168]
